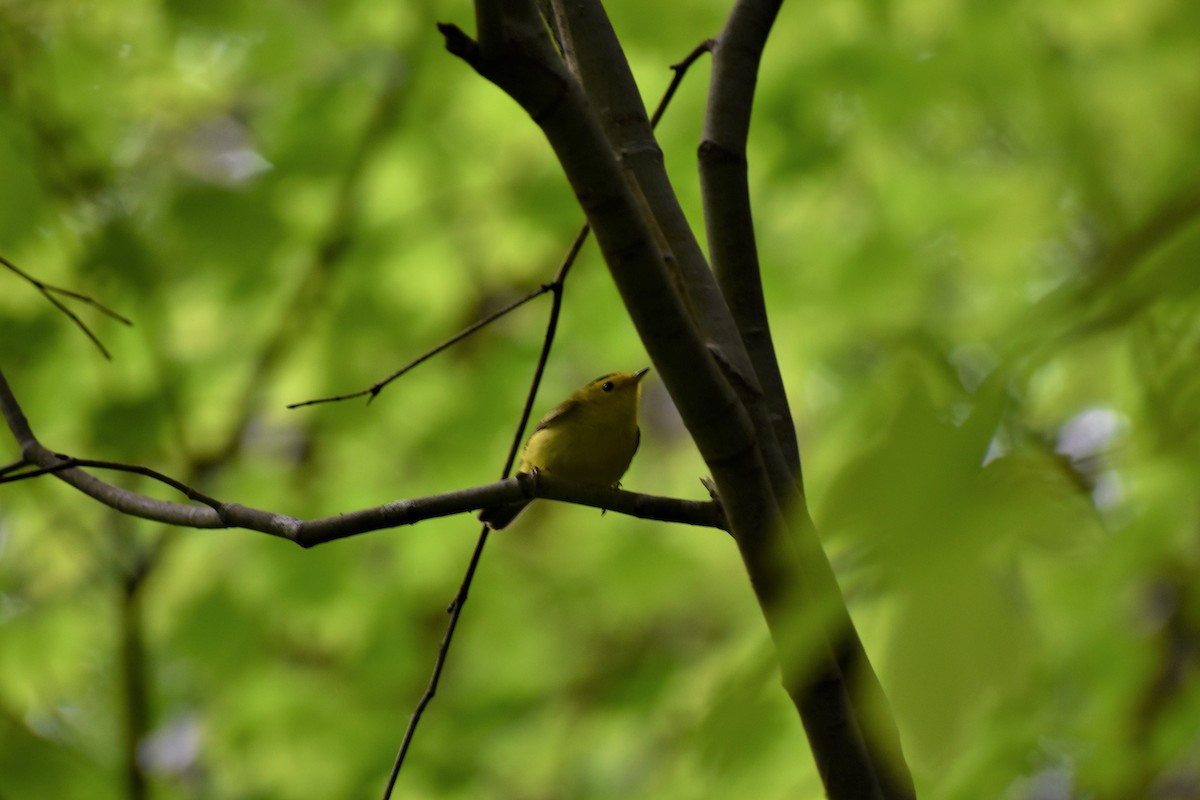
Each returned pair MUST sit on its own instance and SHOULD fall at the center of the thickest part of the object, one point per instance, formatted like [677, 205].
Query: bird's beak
[641, 373]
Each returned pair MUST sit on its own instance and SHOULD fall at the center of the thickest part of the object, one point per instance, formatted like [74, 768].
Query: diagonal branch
[606, 79]
[49, 293]
[726, 193]
[704, 365]
[732, 246]
[557, 287]
[609, 86]
[520, 59]
[372, 391]
[529, 72]
[455, 610]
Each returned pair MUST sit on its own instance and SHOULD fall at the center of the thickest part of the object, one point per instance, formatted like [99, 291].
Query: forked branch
[52, 293]
[592, 121]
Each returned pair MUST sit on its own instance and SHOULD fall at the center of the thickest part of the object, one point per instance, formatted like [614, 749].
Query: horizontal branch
[310, 532]
[307, 533]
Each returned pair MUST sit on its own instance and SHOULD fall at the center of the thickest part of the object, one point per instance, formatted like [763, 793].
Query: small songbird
[590, 437]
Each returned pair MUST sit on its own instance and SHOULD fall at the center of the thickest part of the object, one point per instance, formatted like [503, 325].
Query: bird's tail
[498, 517]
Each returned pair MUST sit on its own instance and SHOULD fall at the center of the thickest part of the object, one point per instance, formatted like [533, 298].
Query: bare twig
[333, 245]
[556, 286]
[680, 69]
[70, 462]
[13, 467]
[460, 598]
[49, 293]
[372, 391]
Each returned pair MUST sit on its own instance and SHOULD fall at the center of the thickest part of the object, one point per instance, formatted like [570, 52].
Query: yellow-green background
[945, 190]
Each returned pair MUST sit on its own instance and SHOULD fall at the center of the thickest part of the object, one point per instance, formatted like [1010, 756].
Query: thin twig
[70, 462]
[13, 467]
[556, 286]
[680, 69]
[460, 599]
[374, 389]
[48, 291]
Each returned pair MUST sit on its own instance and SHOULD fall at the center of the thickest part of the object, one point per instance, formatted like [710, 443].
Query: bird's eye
[608, 386]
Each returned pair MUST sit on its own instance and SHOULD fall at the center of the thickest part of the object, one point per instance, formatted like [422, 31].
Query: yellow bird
[590, 437]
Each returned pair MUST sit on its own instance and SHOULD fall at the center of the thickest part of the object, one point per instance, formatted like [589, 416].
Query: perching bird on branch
[590, 437]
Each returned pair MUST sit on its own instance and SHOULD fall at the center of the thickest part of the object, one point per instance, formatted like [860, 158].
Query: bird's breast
[587, 453]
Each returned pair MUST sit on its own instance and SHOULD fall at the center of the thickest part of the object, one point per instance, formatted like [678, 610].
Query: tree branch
[49, 293]
[557, 287]
[372, 391]
[726, 193]
[307, 533]
[607, 81]
[732, 246]
[520, 59]
[726, 413]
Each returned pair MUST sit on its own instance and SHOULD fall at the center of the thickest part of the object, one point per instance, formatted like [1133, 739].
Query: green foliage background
[979, 232]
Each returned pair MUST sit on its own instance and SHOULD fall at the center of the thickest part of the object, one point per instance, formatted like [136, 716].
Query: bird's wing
[558, 414]
[637, 438]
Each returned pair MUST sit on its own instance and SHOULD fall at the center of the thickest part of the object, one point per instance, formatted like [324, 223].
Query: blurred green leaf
[978, 231]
